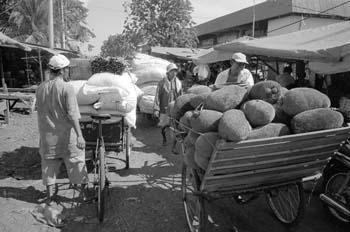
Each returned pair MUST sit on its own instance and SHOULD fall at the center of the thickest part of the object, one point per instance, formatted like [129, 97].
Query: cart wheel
[102, 188]
[127, 147]
[287, 203]
[194, 206]
[332, 188]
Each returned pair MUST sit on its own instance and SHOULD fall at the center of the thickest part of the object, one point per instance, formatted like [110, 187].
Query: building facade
[273, 17]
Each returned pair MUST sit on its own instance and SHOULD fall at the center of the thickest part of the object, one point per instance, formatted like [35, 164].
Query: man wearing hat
[237, 73]
[61, 139]
[168, 89]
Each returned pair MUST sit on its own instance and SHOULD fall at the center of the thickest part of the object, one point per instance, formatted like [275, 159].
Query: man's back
[57, 106]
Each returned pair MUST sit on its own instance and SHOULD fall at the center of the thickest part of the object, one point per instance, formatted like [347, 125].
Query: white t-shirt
[245, 77]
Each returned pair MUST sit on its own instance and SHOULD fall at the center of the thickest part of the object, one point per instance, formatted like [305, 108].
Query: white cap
[58, 62]
[239, 58]
[170, 67]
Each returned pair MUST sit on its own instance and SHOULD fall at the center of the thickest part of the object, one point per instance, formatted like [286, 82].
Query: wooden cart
[275, 166]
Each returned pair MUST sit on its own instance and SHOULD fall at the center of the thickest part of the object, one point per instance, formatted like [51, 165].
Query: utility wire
[321, 12]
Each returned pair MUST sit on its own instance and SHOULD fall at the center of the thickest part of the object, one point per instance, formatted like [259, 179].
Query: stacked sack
[110, 94]
[234, 113]
[149, 71]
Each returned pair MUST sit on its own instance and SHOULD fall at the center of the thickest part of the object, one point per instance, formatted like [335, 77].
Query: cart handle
[100, 116]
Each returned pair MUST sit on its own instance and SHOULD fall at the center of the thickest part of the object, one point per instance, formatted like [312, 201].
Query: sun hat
[170, 67]
[239, 58]
[58, 62]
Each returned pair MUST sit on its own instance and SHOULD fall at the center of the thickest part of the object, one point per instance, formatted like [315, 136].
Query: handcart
[102, 136]
[274, 166]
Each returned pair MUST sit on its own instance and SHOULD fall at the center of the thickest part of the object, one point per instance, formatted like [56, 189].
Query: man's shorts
[76, 169]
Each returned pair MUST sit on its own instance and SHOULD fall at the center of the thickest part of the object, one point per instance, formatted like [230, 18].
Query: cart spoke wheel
[332, 188]
[101, 188]
[287, 203]
[194, 205]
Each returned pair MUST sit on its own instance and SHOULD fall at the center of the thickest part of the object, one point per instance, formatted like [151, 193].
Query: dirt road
[144, 198]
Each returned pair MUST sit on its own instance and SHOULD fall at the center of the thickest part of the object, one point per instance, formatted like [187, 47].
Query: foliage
[114, 65]
[28, 21]
[115, 45]
[165, 23]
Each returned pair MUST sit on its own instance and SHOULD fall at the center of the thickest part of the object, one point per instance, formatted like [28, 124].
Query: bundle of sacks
[110, 94]
[234, 113]
[149, 70]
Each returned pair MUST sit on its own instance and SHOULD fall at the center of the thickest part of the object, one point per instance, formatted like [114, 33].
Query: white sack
[83, 98]
[149, 90]
[146, 103]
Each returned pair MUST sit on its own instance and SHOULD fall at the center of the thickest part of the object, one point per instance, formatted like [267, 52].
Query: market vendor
[168, 89]
[61, 138]
[237, 73]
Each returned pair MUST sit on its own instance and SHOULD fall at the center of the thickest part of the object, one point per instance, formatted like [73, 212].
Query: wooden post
[7, 111]
[51, 25]
[40, 67]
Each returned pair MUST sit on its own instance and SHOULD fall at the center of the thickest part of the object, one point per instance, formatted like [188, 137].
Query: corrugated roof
[272, 9]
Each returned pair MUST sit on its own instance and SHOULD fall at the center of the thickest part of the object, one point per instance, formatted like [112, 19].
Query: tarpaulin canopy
[329, 43]
[213, 56]
[179, 53]
[6, 41]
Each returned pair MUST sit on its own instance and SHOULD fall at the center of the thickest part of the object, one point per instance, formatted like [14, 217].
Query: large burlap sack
[191, 138]
[149, 90]
[185, 121]
[146, 103]
[268, 91]
[269, 130]
[298, 100]
[234, 126]
[199, 89]
[113, 101]
[182, 105]
[258, 112]
[199, 99]
[205, 120]
[83, 98]
[205, 145]
[316, 119]
[226, 98]
[148, 69]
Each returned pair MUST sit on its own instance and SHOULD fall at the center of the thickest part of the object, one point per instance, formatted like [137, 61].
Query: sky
[106, 17]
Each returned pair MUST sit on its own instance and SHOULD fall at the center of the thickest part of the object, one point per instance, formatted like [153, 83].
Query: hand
[156, 114]
[80, 142]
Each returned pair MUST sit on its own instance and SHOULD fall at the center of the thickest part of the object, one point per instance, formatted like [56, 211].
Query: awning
[323, 44]
[6, 41]
[179, 53]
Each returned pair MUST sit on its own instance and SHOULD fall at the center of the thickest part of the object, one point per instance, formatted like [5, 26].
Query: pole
[51, 34]
[253, 29]
[4, 86]
[63, 32]
[40, 67]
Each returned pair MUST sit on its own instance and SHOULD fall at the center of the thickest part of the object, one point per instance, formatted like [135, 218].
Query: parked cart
[275, 166]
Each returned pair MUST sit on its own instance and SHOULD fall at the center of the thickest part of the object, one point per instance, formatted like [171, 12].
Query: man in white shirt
[237, 74]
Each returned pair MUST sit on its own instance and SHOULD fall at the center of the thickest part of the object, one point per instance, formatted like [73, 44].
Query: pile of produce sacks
[149, 70]
[110, 94]
[234, 113]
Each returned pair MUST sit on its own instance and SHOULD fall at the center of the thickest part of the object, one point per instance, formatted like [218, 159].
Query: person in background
[286, 79]
[61, 138]
[168, 89]
[237, 73]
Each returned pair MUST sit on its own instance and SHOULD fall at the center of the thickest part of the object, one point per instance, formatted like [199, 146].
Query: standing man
[61, 139]
[286, 79]
[237, 73]
[168, 89]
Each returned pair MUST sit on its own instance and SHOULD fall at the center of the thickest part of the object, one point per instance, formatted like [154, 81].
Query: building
[273, 17]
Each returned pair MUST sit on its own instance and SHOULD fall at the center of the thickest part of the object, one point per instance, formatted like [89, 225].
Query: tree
[28, 22]
[115, 46]
[165, 23]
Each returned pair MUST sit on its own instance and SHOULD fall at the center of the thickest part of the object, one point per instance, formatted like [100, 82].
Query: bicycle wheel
[194, 206]
[287, 203]
[102, 188]
[127, 147]
[332, 186]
